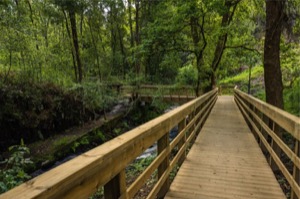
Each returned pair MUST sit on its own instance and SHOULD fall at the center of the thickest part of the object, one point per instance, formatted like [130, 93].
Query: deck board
[225, 161]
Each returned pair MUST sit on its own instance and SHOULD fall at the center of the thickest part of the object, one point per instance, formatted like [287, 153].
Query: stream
[151, 151]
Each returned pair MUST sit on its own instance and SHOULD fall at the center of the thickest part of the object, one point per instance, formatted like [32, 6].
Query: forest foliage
[57, 55]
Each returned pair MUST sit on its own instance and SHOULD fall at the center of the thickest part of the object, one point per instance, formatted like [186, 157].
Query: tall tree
[137, 35]
[227, 16]
[199, 41]
[72, 7]
[72, 17]
[272, 71]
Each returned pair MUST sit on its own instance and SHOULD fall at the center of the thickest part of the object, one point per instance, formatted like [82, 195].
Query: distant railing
[267, 122]
[150, 90]
[226, 89]
[105, 166]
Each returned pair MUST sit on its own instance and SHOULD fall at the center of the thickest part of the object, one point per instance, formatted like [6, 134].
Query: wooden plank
[225, 161]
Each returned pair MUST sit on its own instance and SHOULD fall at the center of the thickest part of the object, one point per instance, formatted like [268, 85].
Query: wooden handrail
[162, 89]
[105, 165]
[259, 116]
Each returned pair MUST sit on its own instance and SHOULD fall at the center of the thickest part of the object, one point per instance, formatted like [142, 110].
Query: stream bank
[60, 148]
[52, 152]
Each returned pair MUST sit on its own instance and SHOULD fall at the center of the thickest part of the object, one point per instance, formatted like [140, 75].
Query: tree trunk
[75, 42]
[113, 39]
[130, 24]
[219, 50]
[71, 45]
[124, 63]
[95, 48]
[197, 32]
[272, 70]
[10, 64]
[137, 36]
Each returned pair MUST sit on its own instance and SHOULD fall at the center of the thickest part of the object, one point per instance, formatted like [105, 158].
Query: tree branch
[245, 48]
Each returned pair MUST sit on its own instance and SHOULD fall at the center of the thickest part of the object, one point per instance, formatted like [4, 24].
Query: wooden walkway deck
[225, 161]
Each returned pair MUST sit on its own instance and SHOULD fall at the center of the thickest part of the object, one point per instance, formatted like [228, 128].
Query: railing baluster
[277, 130]
[161, 145]
[296, 172]
[116, 186]
[265, 120]
[181, 126]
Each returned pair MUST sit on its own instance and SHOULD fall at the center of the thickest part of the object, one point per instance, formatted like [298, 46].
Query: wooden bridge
[148, 93]
[225, 160]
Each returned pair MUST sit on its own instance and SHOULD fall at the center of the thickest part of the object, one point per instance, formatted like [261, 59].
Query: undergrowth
[13, 172]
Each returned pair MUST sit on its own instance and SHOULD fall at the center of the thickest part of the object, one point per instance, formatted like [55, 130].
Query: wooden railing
[268, 123]
[150, 90]
[226, 89]
[105, 165]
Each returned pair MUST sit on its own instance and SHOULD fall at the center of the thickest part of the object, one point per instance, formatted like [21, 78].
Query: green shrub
[187, 75]
[14, 172]
[292, 99]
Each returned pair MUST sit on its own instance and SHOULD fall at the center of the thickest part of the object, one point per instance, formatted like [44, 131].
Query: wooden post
[161, 145]
[256, 112]
[191, 116]
[116, 186]
[265, 119]
[296, 173]
[181, 126]
[277, 130]
[250, 116]
[201, 116]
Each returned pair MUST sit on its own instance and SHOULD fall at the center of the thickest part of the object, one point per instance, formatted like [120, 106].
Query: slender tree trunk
[137, 36]
[113, 39]
[124, 64]
[81, 23]
[75, 42]
[33, 24]
[71, 45]
[219, 50]
[130, 24]
[96, 49]
[10, 64]
[197, 32]
[38, 60]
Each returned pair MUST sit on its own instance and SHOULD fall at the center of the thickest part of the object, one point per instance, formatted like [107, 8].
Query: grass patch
[243, 77]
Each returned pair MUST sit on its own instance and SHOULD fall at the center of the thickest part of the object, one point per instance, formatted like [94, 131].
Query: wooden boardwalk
[225, 161]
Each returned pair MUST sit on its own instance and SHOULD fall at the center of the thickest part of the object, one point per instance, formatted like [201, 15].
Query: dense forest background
[58, 56]
[138, 40]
